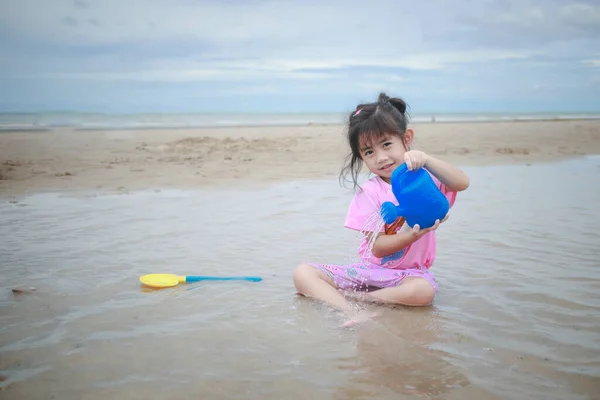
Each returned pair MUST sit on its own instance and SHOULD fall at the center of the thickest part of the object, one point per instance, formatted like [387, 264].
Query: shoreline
[77, 190]
[74, 128]
[117, 161]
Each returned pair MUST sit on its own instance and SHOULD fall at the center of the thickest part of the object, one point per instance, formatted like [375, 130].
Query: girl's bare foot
[361, 317]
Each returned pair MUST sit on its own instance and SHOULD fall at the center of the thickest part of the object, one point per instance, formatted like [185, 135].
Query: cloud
[528, 23]
[592, 63]
[467, 48]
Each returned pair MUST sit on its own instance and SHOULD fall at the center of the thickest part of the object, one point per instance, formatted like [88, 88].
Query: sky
[242, 56]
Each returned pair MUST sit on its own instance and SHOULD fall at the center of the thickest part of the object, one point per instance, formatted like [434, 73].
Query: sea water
[516, 316]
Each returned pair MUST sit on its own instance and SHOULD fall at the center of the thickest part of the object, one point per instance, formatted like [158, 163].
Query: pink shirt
[367, 201]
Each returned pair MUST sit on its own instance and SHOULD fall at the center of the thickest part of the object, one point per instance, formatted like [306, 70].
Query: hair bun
[383, 98]
[399, 105]
[395, 102]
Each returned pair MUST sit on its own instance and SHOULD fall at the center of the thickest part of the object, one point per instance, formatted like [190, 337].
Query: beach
[123, 160]
[85, 213]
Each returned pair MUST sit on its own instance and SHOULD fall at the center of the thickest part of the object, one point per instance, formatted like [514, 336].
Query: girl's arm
[389, 244]
[452, 177]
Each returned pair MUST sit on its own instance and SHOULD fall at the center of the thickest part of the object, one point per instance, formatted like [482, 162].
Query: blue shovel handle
[198, 278]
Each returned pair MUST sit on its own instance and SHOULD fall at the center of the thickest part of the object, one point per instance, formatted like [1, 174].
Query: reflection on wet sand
[396, 358]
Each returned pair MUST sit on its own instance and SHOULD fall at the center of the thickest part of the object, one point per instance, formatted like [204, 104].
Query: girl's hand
[415, 159]
[417, 232]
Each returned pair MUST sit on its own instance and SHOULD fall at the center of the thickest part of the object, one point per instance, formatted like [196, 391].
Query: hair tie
[357, 112]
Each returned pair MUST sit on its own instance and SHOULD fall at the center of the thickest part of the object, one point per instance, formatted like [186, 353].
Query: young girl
[395, 270]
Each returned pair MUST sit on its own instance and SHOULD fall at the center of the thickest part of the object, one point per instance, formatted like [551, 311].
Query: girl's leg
[413, 291]
[312, 282]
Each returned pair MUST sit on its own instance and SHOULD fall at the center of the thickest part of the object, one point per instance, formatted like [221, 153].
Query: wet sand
[516, 317]
[110, 161]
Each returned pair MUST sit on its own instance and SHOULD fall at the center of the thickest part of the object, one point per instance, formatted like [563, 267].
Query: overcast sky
[307, 56]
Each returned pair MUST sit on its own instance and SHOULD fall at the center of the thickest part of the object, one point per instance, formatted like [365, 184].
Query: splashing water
[374, 223]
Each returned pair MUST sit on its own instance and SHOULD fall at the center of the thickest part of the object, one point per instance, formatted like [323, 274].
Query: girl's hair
[367, 124]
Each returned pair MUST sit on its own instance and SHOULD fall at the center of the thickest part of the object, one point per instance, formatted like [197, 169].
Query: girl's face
[384, 154]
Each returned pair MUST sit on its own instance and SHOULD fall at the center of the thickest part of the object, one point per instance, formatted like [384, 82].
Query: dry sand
[127, 160]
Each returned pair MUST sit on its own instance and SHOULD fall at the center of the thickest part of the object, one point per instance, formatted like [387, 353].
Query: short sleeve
[361, 209]
[450, 195]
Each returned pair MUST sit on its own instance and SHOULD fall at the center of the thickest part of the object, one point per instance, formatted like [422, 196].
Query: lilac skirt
[366, 277]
